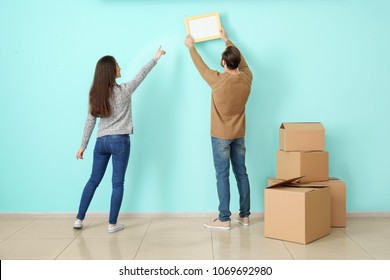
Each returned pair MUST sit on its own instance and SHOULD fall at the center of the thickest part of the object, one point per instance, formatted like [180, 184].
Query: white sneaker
[78, 224]
[112, 228]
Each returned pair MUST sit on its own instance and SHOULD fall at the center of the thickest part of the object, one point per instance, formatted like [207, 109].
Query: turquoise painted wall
[325, 60]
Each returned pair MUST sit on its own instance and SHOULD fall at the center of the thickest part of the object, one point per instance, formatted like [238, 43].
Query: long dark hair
[101, 89]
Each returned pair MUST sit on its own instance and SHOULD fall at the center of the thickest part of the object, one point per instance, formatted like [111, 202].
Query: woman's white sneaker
[112, 228]
[78, 224]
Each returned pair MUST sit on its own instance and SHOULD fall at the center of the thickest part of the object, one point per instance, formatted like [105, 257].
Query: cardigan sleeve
[210, 76]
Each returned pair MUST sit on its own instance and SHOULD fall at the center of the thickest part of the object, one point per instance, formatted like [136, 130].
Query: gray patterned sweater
[120, 121]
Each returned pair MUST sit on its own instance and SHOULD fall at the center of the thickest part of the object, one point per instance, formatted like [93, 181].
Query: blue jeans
[225, 151]
[117, 146]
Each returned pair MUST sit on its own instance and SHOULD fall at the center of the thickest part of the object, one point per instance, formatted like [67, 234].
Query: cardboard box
[306, 136]
[312, 165]
[299, 215]
[337, 197]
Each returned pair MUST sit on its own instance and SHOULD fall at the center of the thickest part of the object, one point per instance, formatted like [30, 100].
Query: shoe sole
[213, 227]
[77, 227]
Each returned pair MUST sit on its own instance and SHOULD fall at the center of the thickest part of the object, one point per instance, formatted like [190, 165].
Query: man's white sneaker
[112, 228]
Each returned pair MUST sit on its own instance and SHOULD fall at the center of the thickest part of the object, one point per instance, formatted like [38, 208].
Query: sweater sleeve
[210, 76]
[132, 85]
[243, 66]
[88, 128]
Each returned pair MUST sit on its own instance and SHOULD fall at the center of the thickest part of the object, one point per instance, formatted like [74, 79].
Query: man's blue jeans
[225, 151]
[117, 146]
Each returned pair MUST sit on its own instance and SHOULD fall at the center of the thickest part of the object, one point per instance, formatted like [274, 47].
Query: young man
[230, 92]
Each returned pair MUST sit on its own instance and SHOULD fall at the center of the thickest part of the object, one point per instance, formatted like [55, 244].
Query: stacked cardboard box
[337, 189]
[302, 202]
[302, 152]
[299, 215]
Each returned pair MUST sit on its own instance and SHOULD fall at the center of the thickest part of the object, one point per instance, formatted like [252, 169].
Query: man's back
[230, 93]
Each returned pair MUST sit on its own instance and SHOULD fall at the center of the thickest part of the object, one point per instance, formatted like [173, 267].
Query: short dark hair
[232, 57]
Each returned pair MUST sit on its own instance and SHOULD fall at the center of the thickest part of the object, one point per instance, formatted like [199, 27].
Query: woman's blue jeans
[117, 146]
[225, 151]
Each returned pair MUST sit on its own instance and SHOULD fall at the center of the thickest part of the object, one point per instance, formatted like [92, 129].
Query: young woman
[112, 104]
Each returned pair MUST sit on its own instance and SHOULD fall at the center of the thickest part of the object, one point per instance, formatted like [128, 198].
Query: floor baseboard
[161, 214]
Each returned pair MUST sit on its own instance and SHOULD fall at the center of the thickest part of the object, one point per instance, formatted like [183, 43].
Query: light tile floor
[183, 238]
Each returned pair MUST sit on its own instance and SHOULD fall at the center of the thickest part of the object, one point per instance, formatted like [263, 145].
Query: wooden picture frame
[203, 27]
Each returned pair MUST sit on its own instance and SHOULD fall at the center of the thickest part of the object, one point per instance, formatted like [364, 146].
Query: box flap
[281, 184]
[294, 184]
[302, 126]
[305, 185]
[297, 190]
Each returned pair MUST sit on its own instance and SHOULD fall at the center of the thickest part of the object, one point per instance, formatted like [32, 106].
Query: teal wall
[313, 60]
